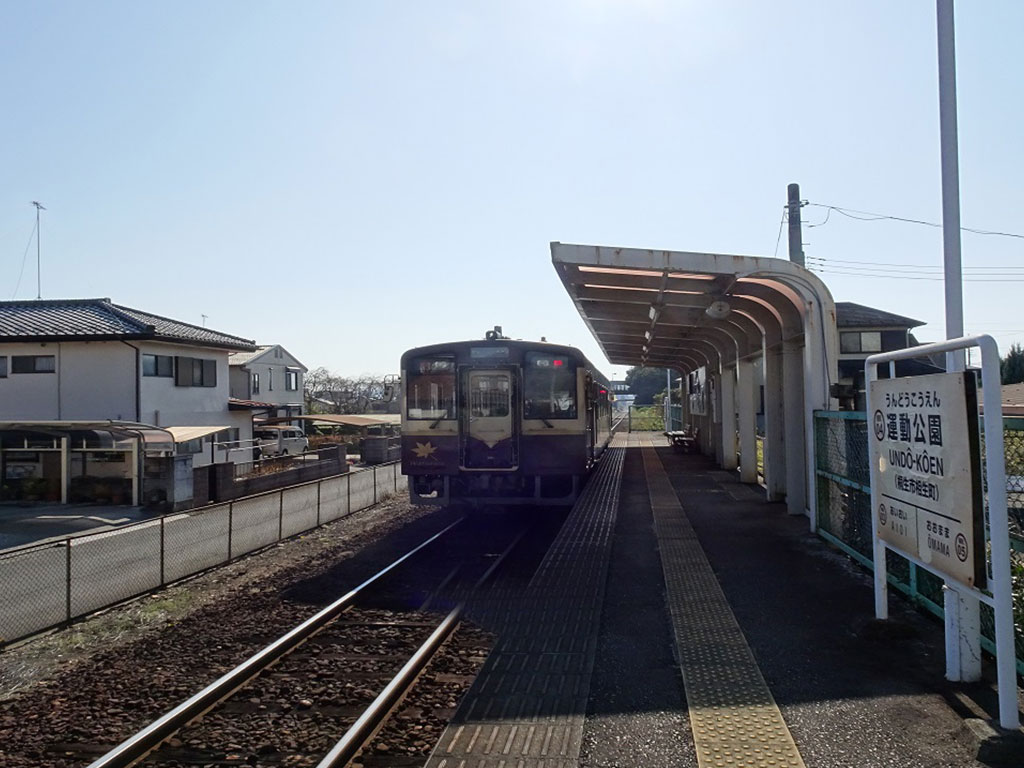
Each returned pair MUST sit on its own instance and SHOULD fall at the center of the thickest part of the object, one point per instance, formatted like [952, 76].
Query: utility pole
[39, 269]
[796, 245]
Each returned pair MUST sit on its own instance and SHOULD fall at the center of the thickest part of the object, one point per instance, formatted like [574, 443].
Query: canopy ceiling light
[718, 310]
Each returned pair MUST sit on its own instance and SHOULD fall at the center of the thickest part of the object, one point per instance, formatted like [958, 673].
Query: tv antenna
[39, 272]
[204, 320]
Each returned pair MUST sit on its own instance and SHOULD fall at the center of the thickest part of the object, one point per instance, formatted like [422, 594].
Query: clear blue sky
[352, 179]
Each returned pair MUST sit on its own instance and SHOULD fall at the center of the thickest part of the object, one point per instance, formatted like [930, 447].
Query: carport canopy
[346, 419]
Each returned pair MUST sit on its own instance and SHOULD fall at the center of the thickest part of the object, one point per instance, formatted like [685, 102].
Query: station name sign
[925, 463]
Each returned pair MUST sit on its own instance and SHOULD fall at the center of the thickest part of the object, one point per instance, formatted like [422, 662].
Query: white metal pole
[950, 182]
[877, 545]
[668, 399]
[963, 613]
[999, 535]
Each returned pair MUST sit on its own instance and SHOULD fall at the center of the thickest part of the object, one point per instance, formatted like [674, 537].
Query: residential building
[91, 359]
[268, 380]
[865, 331]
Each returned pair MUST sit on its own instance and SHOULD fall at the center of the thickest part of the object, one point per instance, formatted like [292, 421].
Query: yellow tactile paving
[734, 718]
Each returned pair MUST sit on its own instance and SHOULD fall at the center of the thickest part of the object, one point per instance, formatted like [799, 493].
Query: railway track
[338, 674]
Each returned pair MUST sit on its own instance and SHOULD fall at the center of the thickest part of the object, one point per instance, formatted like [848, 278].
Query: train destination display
[923, 438]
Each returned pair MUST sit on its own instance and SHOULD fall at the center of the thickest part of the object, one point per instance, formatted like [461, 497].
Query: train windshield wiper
[547, 423]
[436, 422]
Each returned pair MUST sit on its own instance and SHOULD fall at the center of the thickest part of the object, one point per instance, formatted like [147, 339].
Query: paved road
[25, 525]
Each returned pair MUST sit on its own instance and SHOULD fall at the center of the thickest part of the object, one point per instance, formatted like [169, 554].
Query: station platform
[679, 620]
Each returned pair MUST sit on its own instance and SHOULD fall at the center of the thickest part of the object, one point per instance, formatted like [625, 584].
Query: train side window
[549, 387]
[430, 388]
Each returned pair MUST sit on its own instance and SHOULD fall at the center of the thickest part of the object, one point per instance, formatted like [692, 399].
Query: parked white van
[280, 440]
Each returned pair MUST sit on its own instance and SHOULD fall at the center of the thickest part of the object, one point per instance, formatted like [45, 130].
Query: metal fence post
[67, 581]
[163, 549]
[348, 493]
[394, 474]
[231, 525]
[319, 483]
[280, 514]
[374, 485]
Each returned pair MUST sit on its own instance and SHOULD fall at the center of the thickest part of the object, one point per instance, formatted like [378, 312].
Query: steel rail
[146, 740]
[366, 727]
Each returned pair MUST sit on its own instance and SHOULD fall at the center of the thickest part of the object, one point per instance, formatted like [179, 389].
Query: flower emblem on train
[424, 450]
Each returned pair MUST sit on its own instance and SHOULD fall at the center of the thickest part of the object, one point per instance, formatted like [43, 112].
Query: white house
[270, 378]
[91, 359]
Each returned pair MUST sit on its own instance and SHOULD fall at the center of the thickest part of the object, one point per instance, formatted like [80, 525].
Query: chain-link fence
[843, 486]
[45, 585]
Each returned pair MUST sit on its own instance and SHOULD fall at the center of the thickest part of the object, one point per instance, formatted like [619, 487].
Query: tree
[317, 385]
[328, 392]
[1011, 367]
[645, 383]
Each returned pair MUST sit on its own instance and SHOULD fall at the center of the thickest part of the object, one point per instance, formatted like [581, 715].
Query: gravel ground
[76, 691]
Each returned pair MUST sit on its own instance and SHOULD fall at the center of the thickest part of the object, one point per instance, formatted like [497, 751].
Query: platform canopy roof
[685, 310]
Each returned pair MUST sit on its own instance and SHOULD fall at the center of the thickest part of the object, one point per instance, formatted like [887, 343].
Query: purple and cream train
[500, 421]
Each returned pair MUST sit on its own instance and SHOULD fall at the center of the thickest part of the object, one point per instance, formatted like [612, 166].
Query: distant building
[267, 376]
[865, 331]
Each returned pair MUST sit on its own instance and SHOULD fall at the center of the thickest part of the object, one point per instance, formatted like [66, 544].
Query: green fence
[675, 418]
[843, 486]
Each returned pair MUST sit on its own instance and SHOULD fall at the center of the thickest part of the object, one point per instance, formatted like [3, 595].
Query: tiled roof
[100, 319]
[241, 358]
[850, 315]
[1013, 394]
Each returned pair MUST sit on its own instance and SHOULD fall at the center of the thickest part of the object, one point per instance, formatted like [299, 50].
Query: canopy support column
[774, 443]
[793, 404]
[747, 421]
[728, 441]
[715, 416]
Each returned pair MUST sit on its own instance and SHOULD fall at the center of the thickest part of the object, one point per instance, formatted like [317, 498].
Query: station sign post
[926, 491]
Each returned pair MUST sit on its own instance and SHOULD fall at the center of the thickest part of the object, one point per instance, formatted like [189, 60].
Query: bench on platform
[684, 441]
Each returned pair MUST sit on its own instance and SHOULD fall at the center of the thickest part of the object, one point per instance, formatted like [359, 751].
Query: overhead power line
[853, 213]
[24, 258]
[826, 261]
[896, 275]
[778, 239]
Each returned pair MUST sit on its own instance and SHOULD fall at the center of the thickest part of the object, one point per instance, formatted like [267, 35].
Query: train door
[591, 411]
[489, 435]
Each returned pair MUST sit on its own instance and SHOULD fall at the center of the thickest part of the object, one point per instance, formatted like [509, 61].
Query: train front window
[489, 395]
[549, 387]
[430, 389]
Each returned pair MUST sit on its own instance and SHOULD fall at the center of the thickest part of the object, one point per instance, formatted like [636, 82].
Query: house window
[255, 383]
[190, 446]
[291, 380]
[158, 365]
[3, 367]
[227, 436]
[195, 372]
[33, 364]
[864, 341]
